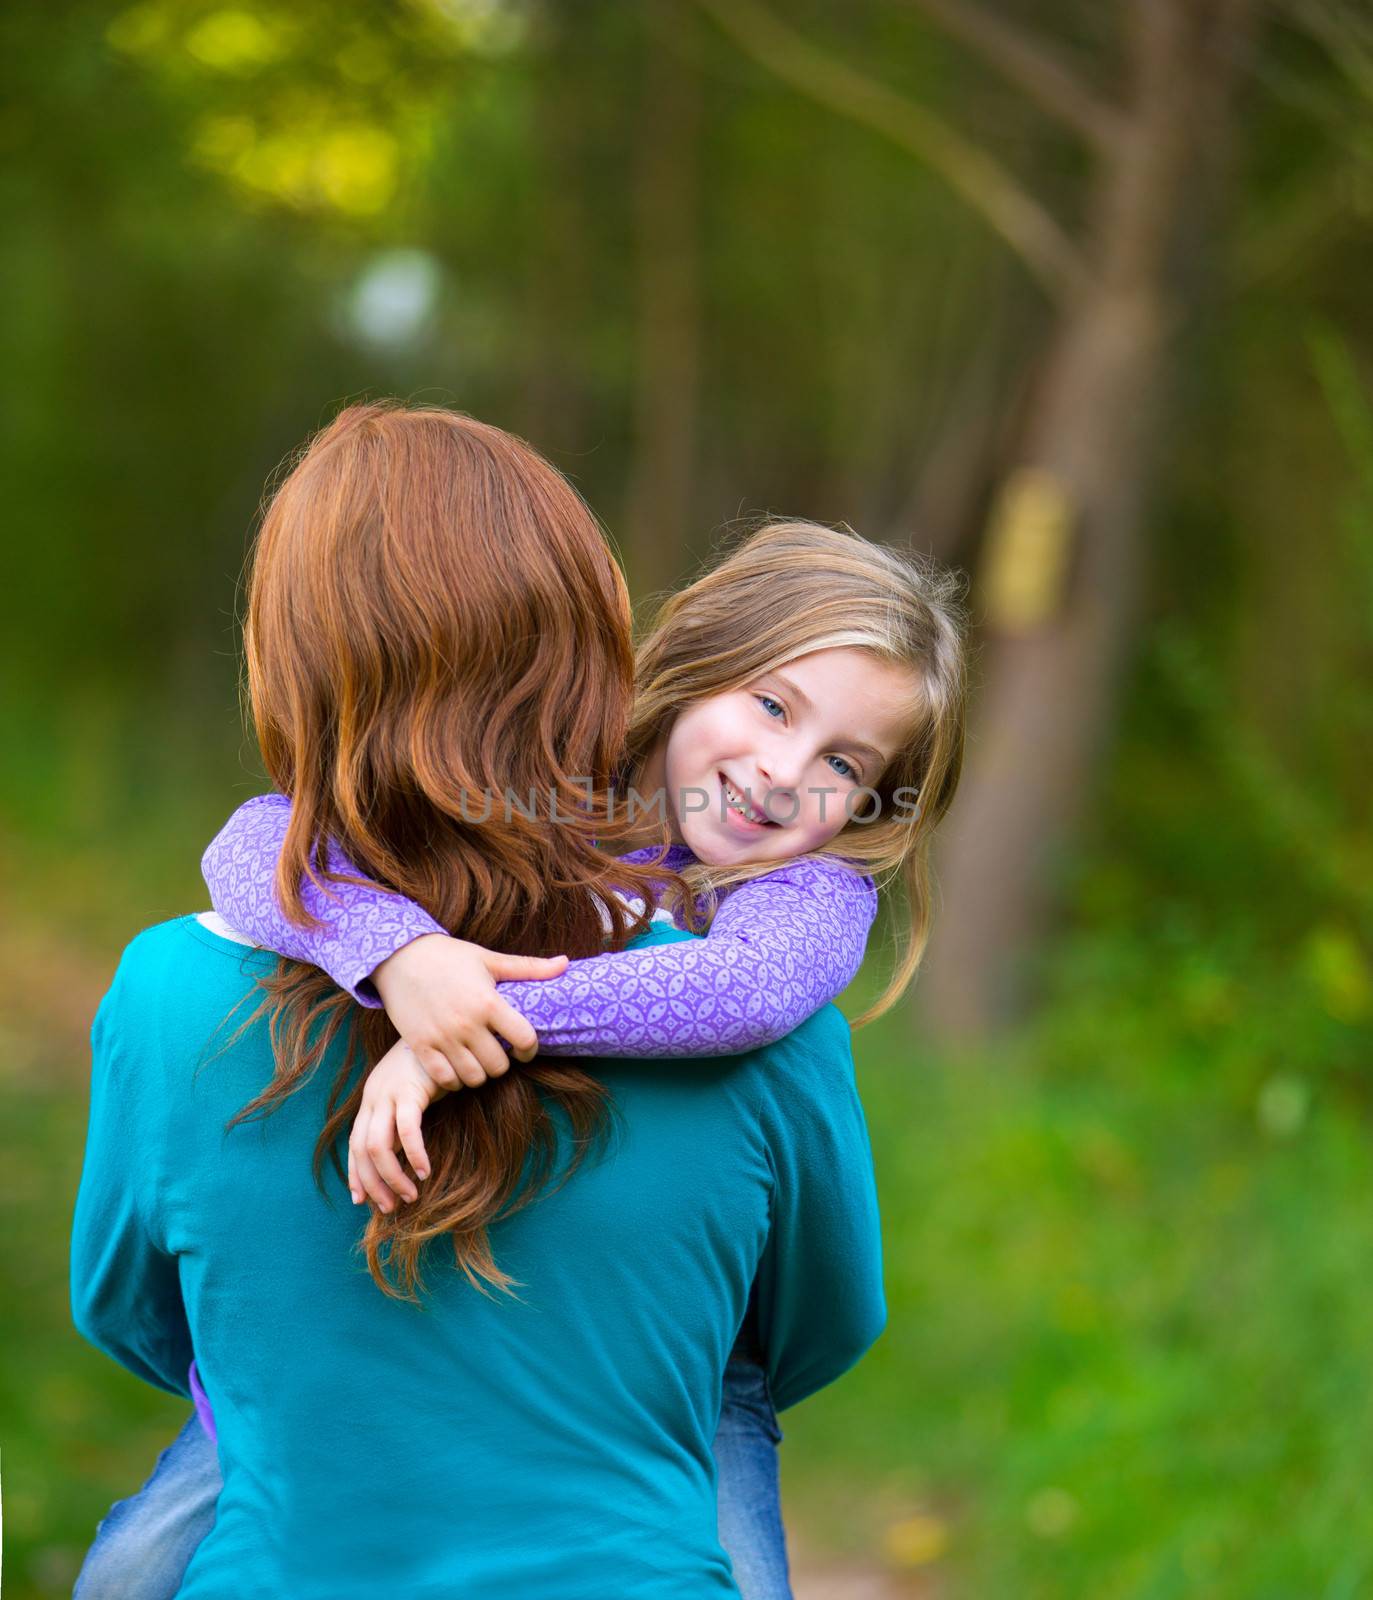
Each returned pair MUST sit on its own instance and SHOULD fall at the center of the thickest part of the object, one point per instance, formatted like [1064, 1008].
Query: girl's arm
[357, 927]
[778, 949]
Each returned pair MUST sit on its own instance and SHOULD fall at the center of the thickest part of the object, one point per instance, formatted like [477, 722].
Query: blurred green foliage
[1128, 1249]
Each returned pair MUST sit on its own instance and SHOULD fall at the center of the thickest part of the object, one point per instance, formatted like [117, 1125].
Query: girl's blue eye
[849, 769]
[766, 700]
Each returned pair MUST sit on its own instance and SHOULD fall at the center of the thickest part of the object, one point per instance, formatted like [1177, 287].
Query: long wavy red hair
[434, 618]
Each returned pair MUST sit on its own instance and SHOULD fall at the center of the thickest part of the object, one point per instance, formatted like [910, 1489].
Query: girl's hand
[393, 1103]
[441, 995]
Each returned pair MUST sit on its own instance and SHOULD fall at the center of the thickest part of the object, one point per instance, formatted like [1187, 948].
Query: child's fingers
[504, 967]
[490, 1055]
[437, 1067]
[512, 1025]
[409, 1117]
[357, 1154]
[469, 1068]
[372, 1186]
[381, 1147]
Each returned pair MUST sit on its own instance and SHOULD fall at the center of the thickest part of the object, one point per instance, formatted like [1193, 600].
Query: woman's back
[556, 1444]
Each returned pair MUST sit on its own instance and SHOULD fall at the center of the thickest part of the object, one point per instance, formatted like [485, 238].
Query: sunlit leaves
[312, 161]
[307, 107]
[239, 41]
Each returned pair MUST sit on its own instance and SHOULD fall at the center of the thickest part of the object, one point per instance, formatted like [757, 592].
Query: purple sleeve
[357, 927]
[203, 1410]
[779, 948]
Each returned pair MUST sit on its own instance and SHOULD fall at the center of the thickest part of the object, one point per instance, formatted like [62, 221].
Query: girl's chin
[710, 852]
[714, 850]
[727, 850]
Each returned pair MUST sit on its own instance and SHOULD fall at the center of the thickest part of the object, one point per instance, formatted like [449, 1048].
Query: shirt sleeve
[778, 949]
[820, 1301]
[125, 1283]
[357, 926]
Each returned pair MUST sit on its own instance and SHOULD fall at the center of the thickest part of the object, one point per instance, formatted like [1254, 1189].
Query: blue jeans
[144, 1545]
[749, 1504]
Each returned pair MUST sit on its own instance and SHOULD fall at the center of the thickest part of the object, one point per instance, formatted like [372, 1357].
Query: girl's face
[771, 770]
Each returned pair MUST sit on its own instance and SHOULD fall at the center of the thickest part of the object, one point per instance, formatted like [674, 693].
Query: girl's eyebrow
[859, 748]
[792, 688]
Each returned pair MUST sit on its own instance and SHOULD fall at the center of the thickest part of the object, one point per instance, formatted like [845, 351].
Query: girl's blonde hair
[786, 590]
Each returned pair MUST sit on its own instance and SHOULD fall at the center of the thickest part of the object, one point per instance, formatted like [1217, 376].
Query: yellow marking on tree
[1024, 573]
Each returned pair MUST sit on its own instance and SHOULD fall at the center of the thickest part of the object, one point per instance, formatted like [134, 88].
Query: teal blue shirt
[547, 1447]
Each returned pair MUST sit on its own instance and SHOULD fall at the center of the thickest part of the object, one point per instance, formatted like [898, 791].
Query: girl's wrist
[388, 973]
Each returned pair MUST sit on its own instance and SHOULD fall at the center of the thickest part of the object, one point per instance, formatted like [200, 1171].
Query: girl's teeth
[736, 800]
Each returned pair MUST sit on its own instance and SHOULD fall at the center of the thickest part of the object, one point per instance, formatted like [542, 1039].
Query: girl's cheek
[822, 824]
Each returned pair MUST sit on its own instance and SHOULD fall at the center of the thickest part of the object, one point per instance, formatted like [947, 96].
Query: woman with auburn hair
[434, 615]
[528, 1407]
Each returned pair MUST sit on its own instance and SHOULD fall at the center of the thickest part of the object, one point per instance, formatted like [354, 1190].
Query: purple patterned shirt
[779, 947]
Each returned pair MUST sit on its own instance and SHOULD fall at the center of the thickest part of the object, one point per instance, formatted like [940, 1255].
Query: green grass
[1127, 1351]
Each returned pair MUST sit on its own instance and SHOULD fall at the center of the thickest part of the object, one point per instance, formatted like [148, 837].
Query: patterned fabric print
[357, 928]
[780, 947]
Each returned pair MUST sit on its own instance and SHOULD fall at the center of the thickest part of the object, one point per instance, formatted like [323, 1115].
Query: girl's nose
[779, 776]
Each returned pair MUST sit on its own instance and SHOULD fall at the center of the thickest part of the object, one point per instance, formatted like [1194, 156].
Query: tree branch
[1010, 210]
[1024, 61]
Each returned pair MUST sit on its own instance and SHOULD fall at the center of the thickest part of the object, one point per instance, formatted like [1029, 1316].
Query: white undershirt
[216, 924]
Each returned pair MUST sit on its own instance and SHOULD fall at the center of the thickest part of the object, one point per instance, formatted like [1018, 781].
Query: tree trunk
[1060, 571]
[667, 346]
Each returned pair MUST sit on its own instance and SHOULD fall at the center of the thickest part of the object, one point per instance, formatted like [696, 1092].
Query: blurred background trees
[1074, 296]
